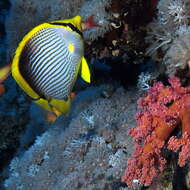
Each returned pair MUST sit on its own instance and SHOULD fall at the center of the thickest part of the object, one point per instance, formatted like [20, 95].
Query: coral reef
[163, 109]
[88, 150]
[168, 35]
[23, 16]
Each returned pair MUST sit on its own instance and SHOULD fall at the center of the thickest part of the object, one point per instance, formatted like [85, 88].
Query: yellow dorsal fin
[85, 71]
[76, 21]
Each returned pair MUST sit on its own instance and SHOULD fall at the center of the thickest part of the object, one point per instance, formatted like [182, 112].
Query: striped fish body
[50, 61]
[47, 62]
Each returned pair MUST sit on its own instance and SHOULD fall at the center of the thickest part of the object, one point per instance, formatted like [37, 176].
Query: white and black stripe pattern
[50, 66]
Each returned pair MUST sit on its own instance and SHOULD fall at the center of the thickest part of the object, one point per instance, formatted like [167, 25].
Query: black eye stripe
[70, 26]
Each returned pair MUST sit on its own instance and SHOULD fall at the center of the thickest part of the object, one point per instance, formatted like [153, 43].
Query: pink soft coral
[163, 109]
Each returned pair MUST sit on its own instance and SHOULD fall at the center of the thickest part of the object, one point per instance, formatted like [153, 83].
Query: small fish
[48, 60]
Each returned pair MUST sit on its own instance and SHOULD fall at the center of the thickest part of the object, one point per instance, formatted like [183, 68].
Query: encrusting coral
[163, 109]
[87, 151]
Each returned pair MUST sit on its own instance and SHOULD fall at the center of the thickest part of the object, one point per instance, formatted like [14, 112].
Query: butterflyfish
[47, 62]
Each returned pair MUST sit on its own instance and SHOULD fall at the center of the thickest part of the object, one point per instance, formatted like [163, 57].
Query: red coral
[163, 109]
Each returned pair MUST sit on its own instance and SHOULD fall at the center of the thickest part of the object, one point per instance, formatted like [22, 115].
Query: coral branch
[183, 142]
[163, 109]
[185, 119]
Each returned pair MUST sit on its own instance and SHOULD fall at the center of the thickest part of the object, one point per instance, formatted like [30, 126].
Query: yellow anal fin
[56, 111]
[85, 71]
[61, 106]
[56, 106]
[4, 72]
[44, 104]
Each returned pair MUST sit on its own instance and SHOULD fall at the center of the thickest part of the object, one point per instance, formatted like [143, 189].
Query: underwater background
[128, 129]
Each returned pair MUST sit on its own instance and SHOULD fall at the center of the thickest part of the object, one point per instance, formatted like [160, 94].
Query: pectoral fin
[85, 71]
